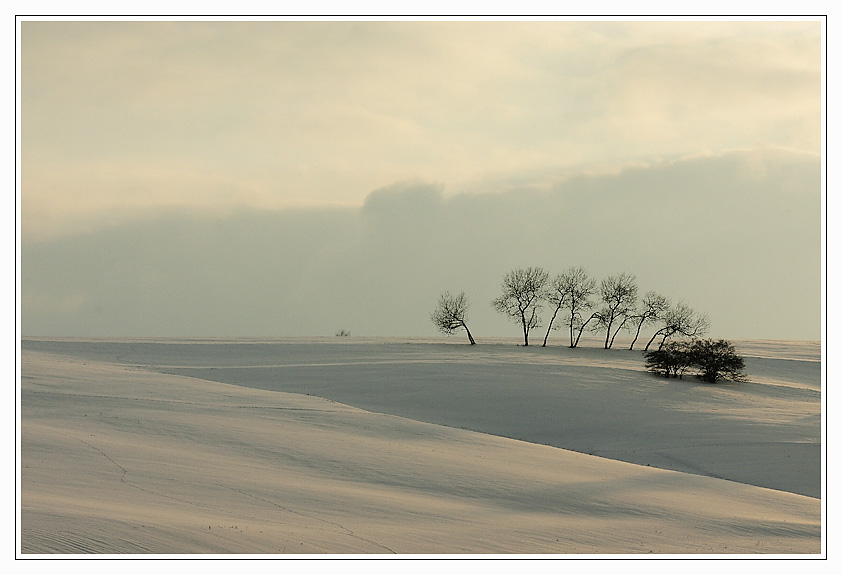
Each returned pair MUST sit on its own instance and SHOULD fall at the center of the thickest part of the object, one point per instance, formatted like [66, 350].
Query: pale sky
[158, 138]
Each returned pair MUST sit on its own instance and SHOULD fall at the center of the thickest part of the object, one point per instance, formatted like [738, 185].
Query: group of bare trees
[577, 302]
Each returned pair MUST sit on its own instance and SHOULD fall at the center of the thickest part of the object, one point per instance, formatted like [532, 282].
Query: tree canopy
[712, 360]
[523, 290]
[450, 314]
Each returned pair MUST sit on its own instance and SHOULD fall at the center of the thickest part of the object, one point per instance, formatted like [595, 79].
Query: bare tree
[521, 299]
[653, 307]
[580, 326]
[450, 314]
[555, 297]
[680, 320]
[619, 296]
[571, 290]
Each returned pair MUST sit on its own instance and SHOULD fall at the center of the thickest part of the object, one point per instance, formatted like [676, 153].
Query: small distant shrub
[712, 360]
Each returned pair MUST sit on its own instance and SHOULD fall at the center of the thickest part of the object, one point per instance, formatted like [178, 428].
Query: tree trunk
[608, 331]
[572, 317]
[667, 332]
[610, 345]
[470, 337]
[656, 334]
[639, 326]
[549, 327]
[581, 329]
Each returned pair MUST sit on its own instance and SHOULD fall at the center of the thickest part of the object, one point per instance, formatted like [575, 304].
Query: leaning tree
[555, 296]
[680, 320]
[653, 307]
[450, 314]
[521, 297]
[619, 298]
[572, 290]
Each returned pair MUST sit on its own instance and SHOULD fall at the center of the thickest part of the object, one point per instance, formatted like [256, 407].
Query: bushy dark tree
[712, 360]
[523, 289]
[450, 314]
[716, 360]
[671, 360]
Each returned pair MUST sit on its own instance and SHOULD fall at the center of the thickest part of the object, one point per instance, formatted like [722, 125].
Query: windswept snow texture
[766, 432]
[119, 459]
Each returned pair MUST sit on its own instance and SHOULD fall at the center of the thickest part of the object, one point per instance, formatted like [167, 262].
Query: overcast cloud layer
[738, 241]
[240, 178]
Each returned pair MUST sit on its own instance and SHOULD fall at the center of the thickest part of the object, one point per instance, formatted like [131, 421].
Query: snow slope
[596, 401]
[119, 459]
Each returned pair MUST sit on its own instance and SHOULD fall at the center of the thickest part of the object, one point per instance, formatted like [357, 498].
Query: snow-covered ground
[351, 445]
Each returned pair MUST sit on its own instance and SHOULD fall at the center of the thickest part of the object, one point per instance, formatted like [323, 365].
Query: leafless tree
[619, 296]
[555, 297]
[521, 298]
[653, 308]
[680, 320]
[450, 314]
[572, 291]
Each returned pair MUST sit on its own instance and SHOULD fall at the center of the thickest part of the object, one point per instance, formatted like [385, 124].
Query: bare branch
[653, 308]
[619, 297]
[523, 290]
[680, 320]
[450, 314]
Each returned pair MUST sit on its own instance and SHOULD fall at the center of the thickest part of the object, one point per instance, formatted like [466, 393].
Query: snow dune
[764, 433]
[117, 458]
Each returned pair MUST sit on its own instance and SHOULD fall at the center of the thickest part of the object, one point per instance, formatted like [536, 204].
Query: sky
[298, 178]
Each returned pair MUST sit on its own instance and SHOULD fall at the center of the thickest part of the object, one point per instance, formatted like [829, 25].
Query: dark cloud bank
[738, 236]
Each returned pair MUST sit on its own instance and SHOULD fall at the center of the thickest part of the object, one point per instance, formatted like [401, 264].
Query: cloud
[270, 114]
[737, 235]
